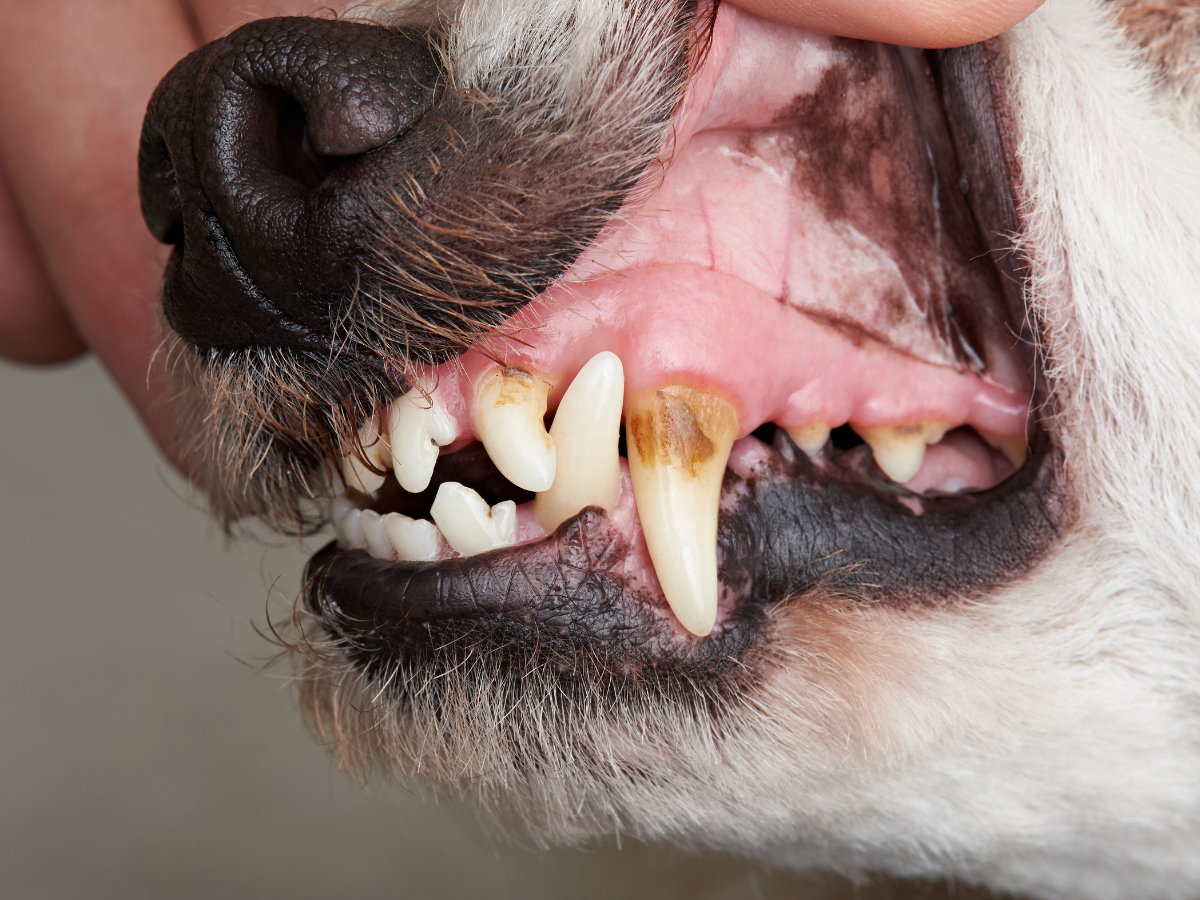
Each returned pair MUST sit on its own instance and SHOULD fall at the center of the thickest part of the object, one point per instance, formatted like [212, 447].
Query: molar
[679, 441]
[586, 433]
[1015, 449]
[510, 409]
[466, 522]
[418, 425]
[899, 450]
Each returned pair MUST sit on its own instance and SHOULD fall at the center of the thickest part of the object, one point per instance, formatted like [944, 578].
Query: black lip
[798, 530]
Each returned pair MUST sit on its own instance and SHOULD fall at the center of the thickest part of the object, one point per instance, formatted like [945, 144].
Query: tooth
[415, 540]
[350, 531]
[357, 475]
[418, 426]
[1015, 449]
[376, 537]
[899, 450]
[509, 418]
[467, 523]
[810, 438]
[679, 441]
[586, 433]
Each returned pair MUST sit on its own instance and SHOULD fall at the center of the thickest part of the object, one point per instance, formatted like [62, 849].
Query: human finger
[76, 78]
[34, 327]
[911, 23]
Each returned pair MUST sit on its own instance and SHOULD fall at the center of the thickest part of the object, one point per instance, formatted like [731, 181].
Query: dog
[735, 436]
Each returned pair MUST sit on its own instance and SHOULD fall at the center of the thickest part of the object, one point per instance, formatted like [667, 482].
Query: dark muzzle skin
[263, 161]
[302, 166]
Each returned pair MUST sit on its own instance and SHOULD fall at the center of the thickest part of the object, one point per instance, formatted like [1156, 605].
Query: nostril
[239, 150]
[294, 155]
[159, 190]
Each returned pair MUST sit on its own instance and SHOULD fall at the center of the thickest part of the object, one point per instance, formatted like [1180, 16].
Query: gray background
[142, 752]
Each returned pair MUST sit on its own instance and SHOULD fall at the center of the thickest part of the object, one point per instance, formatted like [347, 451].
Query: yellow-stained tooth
[586, 433]
[899, 450]
[679, 440]
[376, 450]
[1015, 449]
[510, 409]
[810, 438]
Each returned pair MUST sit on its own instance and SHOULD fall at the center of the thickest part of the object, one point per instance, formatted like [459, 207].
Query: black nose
[259, 162]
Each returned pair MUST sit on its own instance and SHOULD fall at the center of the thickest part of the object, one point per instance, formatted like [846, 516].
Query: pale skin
[79, 271]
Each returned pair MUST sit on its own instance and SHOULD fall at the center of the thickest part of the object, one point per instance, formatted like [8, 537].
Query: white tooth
[378, 544]
[375, 449]
[509, 418]
[467, 523]
[810, 438]
[504, 515]
[415, 540]
[338, 509]
[679, 441]
[899, 450]
[350, 535]
[417, 426]
[1015, 449]
[586, 433]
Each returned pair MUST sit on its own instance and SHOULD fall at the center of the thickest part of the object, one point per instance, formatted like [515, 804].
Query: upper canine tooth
[899, 450]
[376, 450]
[1015, 449]
[586, 434]
[679, 440]
[418, 424]
[509, 418]
[467, 523]
[810, 438]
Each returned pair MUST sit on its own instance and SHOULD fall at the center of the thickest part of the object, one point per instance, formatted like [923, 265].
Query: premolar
[679, 440]
[510, 409]
[418, 425]
[467, 523]
[1015, 449]
[811, 438]
[586, 433]
[899, 450]
[357, 475]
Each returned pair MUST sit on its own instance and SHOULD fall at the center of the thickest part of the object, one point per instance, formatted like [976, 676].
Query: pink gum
[684, 325]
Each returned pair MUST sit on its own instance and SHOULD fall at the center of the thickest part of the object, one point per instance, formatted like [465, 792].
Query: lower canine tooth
[679, 441]
[415, 540]
[375, 449]
[586, 433]
[810, 438]
[467, 523]
[510, 409]
[418, 424]
[899, 450]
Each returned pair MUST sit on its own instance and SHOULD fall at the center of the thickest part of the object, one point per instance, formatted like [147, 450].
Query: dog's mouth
[790, 369]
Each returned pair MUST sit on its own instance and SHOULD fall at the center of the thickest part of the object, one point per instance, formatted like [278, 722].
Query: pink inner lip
[731, 275]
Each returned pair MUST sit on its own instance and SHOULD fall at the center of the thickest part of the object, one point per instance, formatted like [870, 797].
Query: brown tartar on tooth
[679, 441]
